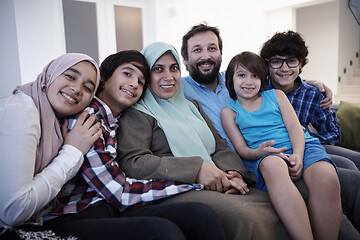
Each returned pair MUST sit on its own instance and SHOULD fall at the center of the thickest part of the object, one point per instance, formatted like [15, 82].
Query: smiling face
[204, 57]
[246, 84]
[123, 88]
[73, 90]
[284, 77]
[165, 76]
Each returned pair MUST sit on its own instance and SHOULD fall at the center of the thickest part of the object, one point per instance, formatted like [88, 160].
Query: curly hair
[288, 43]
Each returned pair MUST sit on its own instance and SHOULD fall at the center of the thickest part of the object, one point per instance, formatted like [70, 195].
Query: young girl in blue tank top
[265, 131]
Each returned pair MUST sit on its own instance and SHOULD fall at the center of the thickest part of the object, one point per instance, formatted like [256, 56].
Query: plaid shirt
[306, 103]
[100, 176]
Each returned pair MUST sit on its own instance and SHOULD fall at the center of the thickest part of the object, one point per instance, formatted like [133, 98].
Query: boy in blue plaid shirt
[285, 54]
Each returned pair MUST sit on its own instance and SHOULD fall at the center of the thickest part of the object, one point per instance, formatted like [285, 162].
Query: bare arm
[228, 117]
[296, 133]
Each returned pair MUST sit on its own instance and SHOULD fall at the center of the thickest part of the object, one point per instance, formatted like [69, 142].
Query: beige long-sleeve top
[23, 193]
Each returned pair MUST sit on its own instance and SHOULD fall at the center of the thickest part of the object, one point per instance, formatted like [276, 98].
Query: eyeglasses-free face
[291, 62]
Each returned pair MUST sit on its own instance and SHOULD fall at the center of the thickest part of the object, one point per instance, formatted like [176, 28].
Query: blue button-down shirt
[306, 103]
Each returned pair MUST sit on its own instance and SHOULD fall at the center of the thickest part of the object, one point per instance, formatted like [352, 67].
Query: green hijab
[185, 129]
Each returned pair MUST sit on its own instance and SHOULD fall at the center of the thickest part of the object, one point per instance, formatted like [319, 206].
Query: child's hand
[266, 148]
[238, 185]
[296, 162]
[83, 134]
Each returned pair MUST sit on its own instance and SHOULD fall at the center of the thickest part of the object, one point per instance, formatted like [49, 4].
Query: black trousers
[165, 221]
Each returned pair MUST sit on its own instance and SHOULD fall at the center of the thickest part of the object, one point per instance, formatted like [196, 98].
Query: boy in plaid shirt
[100, 182]
[285, 54]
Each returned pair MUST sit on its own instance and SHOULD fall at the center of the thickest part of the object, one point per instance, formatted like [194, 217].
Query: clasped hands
[217, 180]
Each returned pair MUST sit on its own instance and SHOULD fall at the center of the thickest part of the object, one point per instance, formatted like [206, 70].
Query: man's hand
[327, 101]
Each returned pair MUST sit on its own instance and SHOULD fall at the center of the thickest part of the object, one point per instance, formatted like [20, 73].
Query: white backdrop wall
[34, 30]
[332, 35]
[349, 38]
[39, 37]
[40, 32]
[319, 26]
[9, 56]
[244, 25]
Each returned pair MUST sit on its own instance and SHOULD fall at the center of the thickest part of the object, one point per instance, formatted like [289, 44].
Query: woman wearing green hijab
[166, 136]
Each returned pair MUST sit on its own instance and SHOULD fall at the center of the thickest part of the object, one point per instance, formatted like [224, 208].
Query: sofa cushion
[349, 121]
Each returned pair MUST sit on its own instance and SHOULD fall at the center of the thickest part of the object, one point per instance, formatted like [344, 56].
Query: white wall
[40, 32]
[32, 37]
[244, 25]
[332, 35]
[349, 37]
[9, 57]
[319, 26]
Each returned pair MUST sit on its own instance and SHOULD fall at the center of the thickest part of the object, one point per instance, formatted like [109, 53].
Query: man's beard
[207, 78]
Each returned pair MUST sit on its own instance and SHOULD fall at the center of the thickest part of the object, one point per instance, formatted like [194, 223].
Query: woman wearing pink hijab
[38, 155]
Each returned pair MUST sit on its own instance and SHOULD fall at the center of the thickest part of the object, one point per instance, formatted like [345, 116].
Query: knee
[272, 165]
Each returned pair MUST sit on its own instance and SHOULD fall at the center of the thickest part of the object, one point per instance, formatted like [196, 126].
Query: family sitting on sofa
[142, 161]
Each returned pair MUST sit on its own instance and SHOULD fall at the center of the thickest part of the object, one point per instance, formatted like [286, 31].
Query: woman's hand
[237, 183]
[83, 134]
[213, 178]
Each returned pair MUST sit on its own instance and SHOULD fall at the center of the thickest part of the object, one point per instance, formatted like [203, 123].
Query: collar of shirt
[102, 109]
[219, 87]
[297, 80]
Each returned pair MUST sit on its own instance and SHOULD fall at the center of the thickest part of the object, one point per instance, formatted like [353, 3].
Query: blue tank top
[264, 124]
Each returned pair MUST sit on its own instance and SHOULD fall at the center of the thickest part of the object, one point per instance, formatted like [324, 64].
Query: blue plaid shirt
[100, 177]
[305, 101]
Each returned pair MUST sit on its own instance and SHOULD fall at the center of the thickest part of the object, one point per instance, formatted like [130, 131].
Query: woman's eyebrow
[74, 70]
[79, 73]
[90, 82]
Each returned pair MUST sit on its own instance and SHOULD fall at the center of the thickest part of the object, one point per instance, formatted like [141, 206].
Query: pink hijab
[51, 139]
